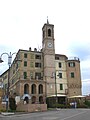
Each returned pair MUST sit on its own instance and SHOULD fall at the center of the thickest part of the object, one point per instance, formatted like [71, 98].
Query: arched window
[33, 99]
[41, 99]
[40, 89]
[49, 32]
[26, 100]
[33, 89]
[26, 89]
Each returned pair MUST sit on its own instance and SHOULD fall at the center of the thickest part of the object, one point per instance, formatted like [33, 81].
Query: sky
[21, 23]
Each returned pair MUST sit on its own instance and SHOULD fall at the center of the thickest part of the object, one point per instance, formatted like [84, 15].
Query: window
[31, 75]
[25, 55]
[72, 74]
[56, 58]
[38, 57]
[59, 64]
[37, 75]
[25, 75]
[61, 86]
[32, 56]
[71, 64]
[33, 89]
[25, 63]
[41, 100]
[26, 89]
[31, 64]
[38, 65]
[40, 89]
[60, 75]
[49, 32]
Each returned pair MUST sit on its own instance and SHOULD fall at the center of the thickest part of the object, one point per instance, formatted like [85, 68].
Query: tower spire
[47, 20]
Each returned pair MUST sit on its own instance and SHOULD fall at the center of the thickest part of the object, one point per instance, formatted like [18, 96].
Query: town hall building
[36, 75]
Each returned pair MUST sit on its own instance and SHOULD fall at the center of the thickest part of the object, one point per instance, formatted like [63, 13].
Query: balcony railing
[73, 58]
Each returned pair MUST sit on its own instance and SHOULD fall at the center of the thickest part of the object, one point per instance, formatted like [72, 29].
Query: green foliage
[82, 106]
[87, 103]
[12, 104]
[51, 103]
[59, 105]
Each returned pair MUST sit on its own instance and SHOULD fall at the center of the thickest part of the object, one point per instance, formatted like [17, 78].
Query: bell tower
[48, 49]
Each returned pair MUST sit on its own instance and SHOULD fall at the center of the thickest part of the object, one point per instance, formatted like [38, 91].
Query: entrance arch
[26, 100]
[41, 99]
[33, 99]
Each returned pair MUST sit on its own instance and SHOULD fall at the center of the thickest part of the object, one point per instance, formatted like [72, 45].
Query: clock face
[49, 45]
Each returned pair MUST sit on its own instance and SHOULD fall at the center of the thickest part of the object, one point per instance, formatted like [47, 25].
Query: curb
[7, 113]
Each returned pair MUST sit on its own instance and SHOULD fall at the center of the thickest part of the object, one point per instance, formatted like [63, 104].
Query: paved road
[62, 114]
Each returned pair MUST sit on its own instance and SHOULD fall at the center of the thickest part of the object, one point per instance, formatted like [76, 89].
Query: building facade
[61, 74]
[73, 76]
[36, 75]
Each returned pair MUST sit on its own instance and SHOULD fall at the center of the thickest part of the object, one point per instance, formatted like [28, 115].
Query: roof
[78, 96]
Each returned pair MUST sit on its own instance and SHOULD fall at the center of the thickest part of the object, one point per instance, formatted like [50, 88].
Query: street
[61, 114]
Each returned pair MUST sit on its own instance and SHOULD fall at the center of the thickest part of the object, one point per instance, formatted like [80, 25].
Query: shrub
[58, 106]
[87, 103]
[82, 106]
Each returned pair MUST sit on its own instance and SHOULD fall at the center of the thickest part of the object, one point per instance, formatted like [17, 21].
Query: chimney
[35, 49]
[29, 48]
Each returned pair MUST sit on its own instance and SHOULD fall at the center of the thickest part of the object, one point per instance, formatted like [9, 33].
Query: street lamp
[9, 64]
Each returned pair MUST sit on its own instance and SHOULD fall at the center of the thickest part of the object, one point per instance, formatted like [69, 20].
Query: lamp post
[9, 64]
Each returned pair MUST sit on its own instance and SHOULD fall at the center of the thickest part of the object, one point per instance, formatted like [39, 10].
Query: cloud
[87, 81]
[80, 49]
[86, 86]
[6, 48]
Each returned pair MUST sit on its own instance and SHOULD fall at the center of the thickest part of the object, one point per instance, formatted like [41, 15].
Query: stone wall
[31, 107]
